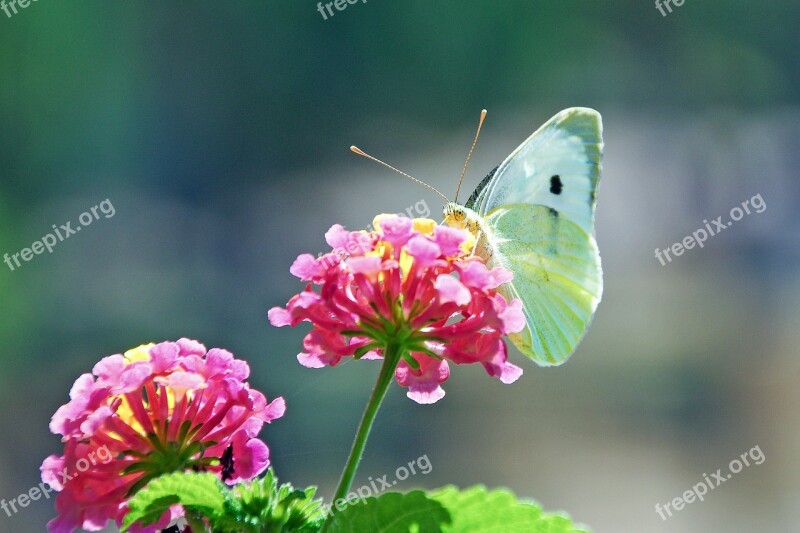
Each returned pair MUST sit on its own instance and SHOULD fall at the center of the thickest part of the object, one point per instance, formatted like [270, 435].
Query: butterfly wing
[557, 276]
[558, 166]
[537, 211]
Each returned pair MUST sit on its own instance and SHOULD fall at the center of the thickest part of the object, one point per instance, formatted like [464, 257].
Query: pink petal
[275, 409]
[82, 386]
[396, 230]
[337, 237]
[364, 265]
[180, 382]
[190, 347]
[164, 356]
[452, 290]
[449, 239]
[133, 377]
[51, 471]
[279, 317]
[90, 426]
[109, 369]
[511, 314]
[306, 267]
[423, 384]
[250, 457]
[474, 274]
[218, 362]
[424, 251]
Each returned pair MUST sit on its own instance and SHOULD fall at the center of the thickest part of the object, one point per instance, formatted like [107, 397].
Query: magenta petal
[475, 275]
[337, 237]
[449, 239]
[423, 384]
[109, 369]
[423, 250]
[190, 347]
[51, 469]
[512, 316]
[310, 361]
[275, 409]
[305, 267]
[164, 356]
[250, 456]
[218, 362]
[95, 420]
[500, 275]
[425, 394]
[452, 290]
[396, 230]
[372, 355]
[364, 265]
[133, 377]
[82, 386]
[279, 317]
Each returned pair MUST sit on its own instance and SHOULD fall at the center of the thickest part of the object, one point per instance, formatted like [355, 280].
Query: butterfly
[534, 215]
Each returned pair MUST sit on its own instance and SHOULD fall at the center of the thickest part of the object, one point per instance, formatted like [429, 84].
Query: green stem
[391, 357]
[195, 523]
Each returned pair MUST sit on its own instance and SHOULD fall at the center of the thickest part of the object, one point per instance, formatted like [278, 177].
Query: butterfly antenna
[469, 155]
[360, 152]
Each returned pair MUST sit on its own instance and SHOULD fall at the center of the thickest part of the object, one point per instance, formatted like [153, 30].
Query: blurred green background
[220, 133]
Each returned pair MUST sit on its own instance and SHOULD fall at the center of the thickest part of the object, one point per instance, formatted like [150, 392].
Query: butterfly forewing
[558, 166]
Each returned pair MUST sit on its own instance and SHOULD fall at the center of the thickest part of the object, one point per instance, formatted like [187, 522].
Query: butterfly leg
[477, 240]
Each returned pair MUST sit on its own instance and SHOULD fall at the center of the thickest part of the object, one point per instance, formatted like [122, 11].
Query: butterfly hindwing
[557, 276]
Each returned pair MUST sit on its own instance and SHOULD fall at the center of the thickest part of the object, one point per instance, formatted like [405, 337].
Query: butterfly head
[458, 216]
[455, 215]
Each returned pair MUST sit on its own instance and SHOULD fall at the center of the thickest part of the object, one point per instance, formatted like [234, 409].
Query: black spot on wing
[482, 185]
[555, 184]
[553, 212]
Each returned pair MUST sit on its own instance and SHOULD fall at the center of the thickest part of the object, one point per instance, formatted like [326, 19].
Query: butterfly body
[534, 215]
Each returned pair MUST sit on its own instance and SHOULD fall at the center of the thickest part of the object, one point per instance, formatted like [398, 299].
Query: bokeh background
[219, 131]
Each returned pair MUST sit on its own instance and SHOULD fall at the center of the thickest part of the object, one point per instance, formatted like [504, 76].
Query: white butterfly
[534, 215]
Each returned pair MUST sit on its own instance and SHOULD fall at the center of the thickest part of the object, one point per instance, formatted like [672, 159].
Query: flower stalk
[391, 357]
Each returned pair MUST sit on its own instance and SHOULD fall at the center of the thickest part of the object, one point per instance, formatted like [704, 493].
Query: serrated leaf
[497, 511]
[201, 492]
[448, 510]
[392, 512]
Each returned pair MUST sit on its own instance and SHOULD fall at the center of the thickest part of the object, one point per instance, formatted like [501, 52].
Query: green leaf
[392, 512]
[478, 509]
[448, 510]
[199, 492]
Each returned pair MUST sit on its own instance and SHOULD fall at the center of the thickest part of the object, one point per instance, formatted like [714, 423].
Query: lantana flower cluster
[156, 409]
[412, 284]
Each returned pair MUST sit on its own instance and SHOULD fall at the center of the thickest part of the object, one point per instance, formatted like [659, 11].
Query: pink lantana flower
[412, 284]
[156, 409]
